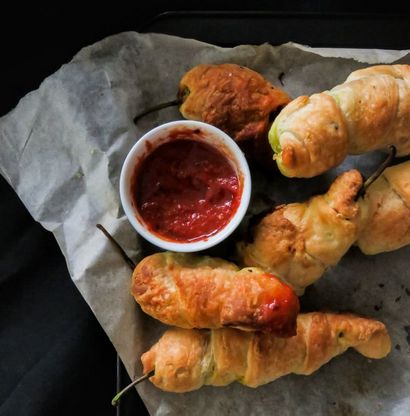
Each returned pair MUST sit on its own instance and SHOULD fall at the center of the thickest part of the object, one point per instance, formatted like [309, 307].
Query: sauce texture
[186, 190]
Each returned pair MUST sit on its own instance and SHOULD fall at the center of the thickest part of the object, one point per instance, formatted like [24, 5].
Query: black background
[54, 357]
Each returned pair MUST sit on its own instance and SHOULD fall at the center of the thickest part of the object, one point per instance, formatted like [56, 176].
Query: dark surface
[336, 30]
[52, 349]
[54, 357]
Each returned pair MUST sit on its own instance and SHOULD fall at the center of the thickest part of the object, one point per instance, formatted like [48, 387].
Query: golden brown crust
[178, 360]
[299, 241]
[229, 356]
[342, 194]
[370, 106]
[371, 110]
[399, 132]
[190, 291]
[398, 178]
[387, 201]
[223, 356]
[396, 71]
[236, 99]
[279, 247]
[312, 136]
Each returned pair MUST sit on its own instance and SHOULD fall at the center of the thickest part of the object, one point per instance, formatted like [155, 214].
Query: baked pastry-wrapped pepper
[369, 111]
[234, 98]
[185, 360]
[299, 241]
[191, 291]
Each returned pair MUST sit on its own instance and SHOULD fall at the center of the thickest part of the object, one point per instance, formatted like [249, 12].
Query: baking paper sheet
[62, 149]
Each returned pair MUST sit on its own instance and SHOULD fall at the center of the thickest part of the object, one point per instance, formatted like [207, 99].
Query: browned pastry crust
[388, 116]
[192, 291]
[299, 241]
[185, 360]
[236, 99]
[388, 204]
[312, 136]
[369, 111]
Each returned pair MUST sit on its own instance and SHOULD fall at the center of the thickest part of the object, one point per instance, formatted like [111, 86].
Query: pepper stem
[378, 172]
[116, 245]
[156, 108]
[118, 396]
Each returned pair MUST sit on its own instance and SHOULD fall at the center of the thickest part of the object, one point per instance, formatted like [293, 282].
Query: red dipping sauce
[186, 190]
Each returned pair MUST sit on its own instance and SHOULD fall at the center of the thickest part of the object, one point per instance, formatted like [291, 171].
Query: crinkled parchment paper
[62, 149]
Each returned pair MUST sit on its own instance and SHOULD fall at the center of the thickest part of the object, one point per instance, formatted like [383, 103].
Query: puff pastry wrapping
[234, 98]
[298, 242]
[184, 360]
[388, 203]
[369, 111]
[191, 291]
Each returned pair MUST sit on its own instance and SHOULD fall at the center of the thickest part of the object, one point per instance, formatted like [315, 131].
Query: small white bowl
[163, 134]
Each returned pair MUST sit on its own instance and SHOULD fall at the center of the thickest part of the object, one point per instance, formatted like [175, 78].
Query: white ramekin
[161, 134]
